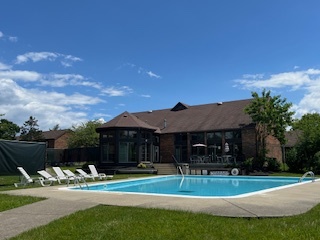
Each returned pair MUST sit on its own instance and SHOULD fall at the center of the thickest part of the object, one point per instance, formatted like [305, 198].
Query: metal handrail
[308, 173]
[181, 172]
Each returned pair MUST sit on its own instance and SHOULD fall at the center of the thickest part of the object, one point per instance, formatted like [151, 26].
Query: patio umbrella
[197, 145]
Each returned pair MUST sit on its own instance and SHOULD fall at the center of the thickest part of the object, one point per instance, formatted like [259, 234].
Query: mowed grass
[110, 222]
[9, 201]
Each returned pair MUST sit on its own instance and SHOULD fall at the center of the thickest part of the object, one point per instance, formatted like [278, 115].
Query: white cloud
[62, 80]
[49, 108]
[65, 60]
[13, 39]
[10, 38]
[295, 80]
[117, 91]
[153, 75]
[140, 70]
[4, 66]
[306, 81]
[36, 57]
[28, 76]
[146, 95]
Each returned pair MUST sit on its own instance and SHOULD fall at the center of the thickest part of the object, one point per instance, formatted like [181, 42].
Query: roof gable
[127, 120]
[179, 106]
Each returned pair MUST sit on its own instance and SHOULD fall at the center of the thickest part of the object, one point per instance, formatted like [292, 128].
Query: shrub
[273, 165]
[294, 163]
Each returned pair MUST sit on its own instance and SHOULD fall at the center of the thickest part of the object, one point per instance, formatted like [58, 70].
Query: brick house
[57, 139]
[163, 136]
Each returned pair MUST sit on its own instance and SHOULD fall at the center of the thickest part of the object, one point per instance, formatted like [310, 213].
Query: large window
[108, 153]
[233, 138]
[127, 152]
[108, 135]
[127, 134]
[197, 137]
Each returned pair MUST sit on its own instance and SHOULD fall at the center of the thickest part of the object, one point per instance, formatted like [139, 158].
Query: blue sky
[68, 62]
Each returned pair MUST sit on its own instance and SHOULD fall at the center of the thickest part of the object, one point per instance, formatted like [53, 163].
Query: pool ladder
[180, 170]
[306, 174]
[78, 182]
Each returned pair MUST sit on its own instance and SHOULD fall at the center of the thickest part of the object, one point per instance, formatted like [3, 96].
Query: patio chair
[47, 179]
[84, 174]
[60, 175]
[95, 173]
[25, 179]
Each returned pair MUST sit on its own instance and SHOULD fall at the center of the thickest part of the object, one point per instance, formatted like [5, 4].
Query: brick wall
[274, 148]
[166, 148]
[62, 142]
[249, 142]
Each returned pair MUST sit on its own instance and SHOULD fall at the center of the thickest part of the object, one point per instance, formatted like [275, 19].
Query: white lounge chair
[95, 173]
[60, 175]
[25, 178]
[47, 179]
[84, 174]
[72, 175]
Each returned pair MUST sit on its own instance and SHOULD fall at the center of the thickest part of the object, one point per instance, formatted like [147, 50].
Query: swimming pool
[197, 185]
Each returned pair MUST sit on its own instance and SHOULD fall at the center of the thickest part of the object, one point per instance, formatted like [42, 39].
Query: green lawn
[111, 222]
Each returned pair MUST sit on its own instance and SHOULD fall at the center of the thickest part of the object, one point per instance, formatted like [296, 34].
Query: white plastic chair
[95, 173]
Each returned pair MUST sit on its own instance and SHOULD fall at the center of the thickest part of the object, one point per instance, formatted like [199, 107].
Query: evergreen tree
[30, 131]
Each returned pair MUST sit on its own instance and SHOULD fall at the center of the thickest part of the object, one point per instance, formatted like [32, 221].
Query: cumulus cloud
[65, 60]
[18, 75]
[50, 108]
[4, 66]
[294, 80]
[305, 81]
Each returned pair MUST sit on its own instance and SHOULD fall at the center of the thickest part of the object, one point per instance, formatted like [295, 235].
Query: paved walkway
[60, 203]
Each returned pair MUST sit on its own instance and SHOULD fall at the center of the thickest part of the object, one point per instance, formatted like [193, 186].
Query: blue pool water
[196, 186]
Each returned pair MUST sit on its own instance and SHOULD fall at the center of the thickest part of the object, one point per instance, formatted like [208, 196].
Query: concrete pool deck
[284, 202]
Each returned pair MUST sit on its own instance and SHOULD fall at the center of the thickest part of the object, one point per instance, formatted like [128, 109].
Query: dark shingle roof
[53, 134]
[127, 120]
[185, 118]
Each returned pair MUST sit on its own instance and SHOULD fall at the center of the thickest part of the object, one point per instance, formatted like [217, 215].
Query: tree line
[83, 135]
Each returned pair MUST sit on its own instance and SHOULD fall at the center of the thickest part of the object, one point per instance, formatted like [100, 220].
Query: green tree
[309, 139]
[55, 128]
[272, 116]
[84, 135]
[30, 131]
[8, 129]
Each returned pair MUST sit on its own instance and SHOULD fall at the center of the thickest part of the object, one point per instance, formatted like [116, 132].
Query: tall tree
[272, 116]
[30, 131]
[84, 135]
[8, 129]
